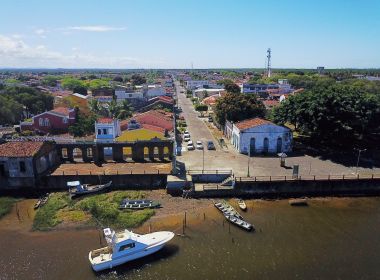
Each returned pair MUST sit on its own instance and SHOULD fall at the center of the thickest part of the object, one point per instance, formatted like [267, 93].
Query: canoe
[138, 204]
[242, 204]
[77, 189]
[227, 209]
[240, 223]
[298, 202]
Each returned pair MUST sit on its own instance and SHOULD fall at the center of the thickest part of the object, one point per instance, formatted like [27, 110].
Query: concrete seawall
[134, 181]
[274, 189]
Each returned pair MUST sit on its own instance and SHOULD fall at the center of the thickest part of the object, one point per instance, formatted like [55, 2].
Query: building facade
[256, 136]
[23, 162]
[55, 121]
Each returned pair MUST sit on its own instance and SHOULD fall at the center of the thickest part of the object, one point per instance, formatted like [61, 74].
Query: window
[47, 122]
[104, 131]
[64, 120]
[41, 122]
[99, 131]
[130, 95]
[127, 246]
[22, 166]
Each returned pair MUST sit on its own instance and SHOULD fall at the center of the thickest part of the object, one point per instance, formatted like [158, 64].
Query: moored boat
[77, 189]
[42, 201]
[298, 202]
[126, 246]
[225, 208]
[239, 222]
[138, 204]
[242, 204]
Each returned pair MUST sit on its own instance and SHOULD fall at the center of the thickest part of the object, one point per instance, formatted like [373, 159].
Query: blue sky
[174, 34]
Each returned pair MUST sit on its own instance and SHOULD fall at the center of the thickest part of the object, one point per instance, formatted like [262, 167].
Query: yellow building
[138, 134]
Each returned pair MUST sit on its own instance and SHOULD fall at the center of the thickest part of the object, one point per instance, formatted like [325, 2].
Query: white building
[123, 93]
[205, 92]
[106, 130]
[154, 90]
[197, 84]
[257, 135]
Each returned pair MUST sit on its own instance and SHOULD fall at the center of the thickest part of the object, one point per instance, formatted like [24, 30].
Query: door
[279, 145]
[266, 145]
[252, 146]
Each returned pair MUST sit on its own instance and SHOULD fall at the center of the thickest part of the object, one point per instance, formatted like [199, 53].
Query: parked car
[199, 145]
[209, 119]
[186, 137]
[210, 145]
[190, 146]
[186, 132]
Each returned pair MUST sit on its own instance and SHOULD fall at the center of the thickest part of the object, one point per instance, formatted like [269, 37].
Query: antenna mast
[269, 55]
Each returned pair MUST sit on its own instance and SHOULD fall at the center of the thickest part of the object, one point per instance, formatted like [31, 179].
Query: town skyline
[176, 35]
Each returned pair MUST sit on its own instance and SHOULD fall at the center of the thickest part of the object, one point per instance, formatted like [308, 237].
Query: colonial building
[23, 162]
[257, 135]
[55, 121]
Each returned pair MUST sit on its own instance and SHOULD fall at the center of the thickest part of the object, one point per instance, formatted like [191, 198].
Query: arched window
[47, 122]
[41, 122]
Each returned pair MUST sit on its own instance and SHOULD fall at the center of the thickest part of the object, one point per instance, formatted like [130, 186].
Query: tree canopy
[339, 114]
[236, 107]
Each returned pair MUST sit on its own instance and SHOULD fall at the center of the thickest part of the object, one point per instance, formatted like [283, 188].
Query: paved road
[196, 127]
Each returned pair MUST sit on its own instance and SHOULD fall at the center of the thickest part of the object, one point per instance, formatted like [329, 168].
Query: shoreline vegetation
[6, 205]
[100, 209]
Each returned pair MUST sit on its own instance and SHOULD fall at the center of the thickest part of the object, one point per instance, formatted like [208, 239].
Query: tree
[339, 114]
[80, 89]
[201, 108]
[84, 125]
[137, 80]
[118, 79]
[71, 83]
[232, 88]
[236, 107]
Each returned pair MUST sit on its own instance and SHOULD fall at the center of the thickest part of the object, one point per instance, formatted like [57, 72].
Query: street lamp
[357, 162]
[203, 156]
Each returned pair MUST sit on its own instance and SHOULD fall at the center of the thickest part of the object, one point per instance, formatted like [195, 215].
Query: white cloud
[16, 53]
[40, 31]
[95, 28]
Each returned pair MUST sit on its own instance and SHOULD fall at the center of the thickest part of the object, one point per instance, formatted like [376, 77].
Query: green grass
[46, 216]
[101, 209]
[6, 204]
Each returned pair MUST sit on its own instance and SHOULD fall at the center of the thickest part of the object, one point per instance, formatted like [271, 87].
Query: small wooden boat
[138, 204]
[77, 189]
[240, 223]
[298, 202]
[242, 204]
[42, 201]
[227, 209]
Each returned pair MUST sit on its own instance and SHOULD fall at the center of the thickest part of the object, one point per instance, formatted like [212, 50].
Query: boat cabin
[75, 184]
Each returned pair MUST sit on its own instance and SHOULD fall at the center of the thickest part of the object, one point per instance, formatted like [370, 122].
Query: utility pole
[357, 162]
[203, 157]
[249, 159]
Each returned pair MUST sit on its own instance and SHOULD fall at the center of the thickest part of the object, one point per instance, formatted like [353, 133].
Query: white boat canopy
[73, 184]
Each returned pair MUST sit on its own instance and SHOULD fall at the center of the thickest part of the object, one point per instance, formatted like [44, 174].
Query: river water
[330, 239]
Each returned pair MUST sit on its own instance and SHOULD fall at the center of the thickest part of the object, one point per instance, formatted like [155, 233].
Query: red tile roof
[61, 110]
[20, 149]
[242, 125]
[271, 103]
[104, 120]
[154, 128]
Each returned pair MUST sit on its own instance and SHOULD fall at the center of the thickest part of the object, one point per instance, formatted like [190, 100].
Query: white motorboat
[127, 246]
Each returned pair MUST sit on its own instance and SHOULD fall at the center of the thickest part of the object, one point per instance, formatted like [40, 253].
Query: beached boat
[77, 189]
[126, 246]
[227, 209]
[239, 222]
[242, 204]
[298, 202]
[138, 204]
[42, 201]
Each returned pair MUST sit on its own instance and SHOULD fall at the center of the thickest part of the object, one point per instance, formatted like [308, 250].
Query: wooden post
[343, 176]
[229, 227]
[185, 219]
[150, 228]
[314, 177]
[204, 216]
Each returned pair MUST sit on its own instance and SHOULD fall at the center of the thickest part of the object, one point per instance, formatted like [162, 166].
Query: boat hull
[122, 260]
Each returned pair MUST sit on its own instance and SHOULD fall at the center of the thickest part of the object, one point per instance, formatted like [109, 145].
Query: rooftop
[61, 110]
[242, 125]
[20, 149]
[105, 120]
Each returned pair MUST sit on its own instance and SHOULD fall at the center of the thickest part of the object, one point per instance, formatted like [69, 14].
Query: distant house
[257, 135]
[154, 90]
[193, 84]
[164, 102]
[155, 118]
[206, 92]
[56, 121]
[23, 162]
[103, 92]
[127, 93]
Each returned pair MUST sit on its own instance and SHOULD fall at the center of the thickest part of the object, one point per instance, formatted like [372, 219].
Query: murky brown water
[330, 239]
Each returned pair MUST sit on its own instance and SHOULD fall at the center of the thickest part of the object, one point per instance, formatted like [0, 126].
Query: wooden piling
[229, 228]
[185, 220]
[150, 228]
[204, 216]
